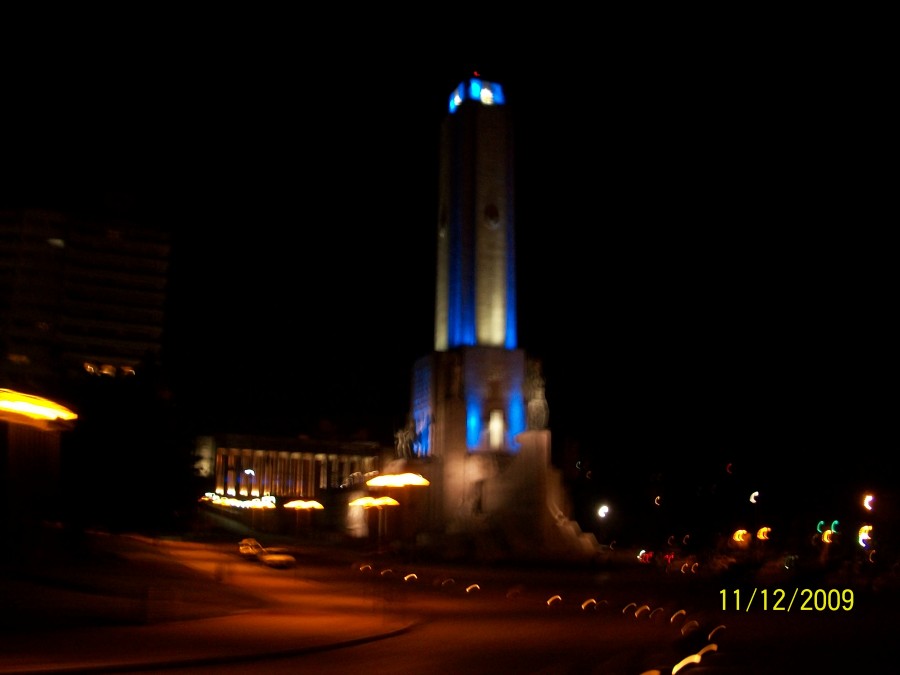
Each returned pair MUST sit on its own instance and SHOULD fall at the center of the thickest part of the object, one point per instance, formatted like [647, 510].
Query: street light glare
[368, 502]
[397, 480]
[302, 504]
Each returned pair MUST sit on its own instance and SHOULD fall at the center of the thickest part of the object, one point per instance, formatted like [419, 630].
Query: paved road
[122, 604]
[128, 604]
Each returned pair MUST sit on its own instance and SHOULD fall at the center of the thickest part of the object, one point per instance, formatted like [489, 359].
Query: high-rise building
[78, 297]
[478, 423]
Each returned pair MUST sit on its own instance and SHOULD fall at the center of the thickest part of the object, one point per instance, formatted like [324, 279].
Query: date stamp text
[786, 600]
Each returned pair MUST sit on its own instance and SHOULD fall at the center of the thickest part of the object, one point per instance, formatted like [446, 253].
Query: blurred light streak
[369, 502]
[715, 630]
[740, 535]
[686, 661]
[690, 627]
[864, 535]
[34, 408]
[267, 502]
[711, 647]
[694, 658]
[680, 612]
[397, 480]
[303, 504]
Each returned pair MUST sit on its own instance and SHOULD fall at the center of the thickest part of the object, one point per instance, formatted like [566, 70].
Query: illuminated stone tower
[476, 283]
[478, 419]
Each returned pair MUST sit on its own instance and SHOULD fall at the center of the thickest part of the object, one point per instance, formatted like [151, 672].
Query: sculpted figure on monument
[537, 411]
[404, 438]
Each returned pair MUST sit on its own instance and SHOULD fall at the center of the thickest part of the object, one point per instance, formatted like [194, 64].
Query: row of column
[291, 475]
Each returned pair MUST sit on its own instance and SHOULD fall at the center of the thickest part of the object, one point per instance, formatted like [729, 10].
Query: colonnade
[249, 473]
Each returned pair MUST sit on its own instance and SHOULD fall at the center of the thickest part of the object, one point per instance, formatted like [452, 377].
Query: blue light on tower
[516, 416]
[473, 421]
[486, 93]
[511, 341]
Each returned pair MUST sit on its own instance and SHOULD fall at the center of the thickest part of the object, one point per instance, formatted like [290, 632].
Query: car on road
[276, 557]
[251, 549]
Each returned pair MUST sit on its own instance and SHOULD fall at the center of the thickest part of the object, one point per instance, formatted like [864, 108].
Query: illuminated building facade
[478, 413]
[288, 468]
[253, 468]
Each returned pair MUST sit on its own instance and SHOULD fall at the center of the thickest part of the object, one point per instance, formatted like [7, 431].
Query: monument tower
[478, 423]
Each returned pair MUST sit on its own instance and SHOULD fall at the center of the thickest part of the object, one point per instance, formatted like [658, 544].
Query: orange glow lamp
[20, 408]
[303, 504]
[397, 480]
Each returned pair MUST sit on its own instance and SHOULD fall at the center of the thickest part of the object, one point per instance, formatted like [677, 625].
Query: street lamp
[397, 480]
[20, 408]
[403, 481]
[376, 503]
[299, 505]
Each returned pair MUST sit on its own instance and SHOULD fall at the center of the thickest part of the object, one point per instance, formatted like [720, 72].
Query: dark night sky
[704, 256]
